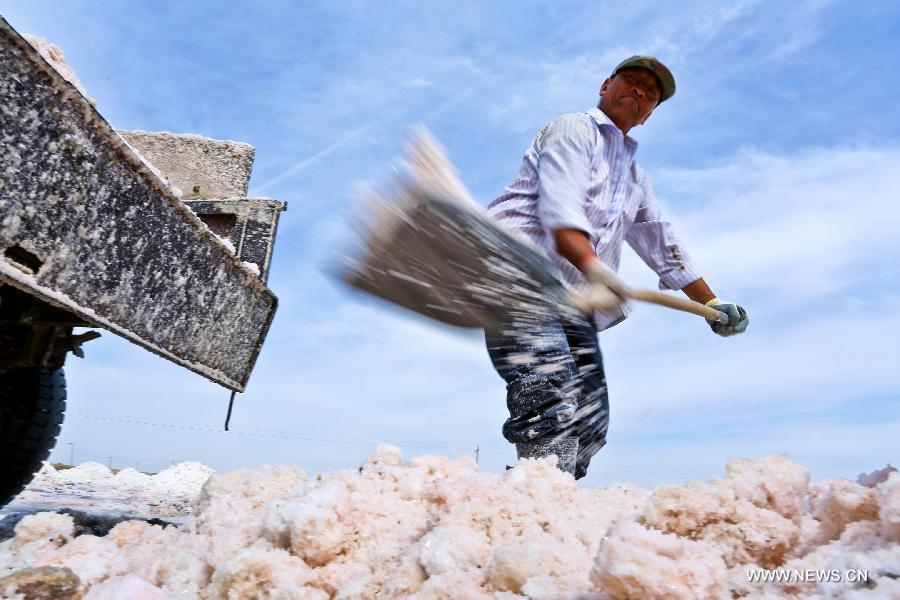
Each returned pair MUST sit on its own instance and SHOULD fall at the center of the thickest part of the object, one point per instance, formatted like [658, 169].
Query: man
[578, 196]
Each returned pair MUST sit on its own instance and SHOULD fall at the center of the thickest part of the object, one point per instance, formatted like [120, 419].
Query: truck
[93, 235]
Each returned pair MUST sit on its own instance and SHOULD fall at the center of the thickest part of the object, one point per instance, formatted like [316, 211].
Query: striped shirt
[579, 172]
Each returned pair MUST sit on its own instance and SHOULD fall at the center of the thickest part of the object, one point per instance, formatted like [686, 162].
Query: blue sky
[777, 161]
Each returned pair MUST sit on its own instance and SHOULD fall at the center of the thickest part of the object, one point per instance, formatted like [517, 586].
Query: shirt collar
[601, 119]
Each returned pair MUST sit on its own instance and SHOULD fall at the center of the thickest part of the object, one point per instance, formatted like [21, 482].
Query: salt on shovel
[428, 247]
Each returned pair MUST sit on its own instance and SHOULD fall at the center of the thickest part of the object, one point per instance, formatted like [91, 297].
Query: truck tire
[32, 405]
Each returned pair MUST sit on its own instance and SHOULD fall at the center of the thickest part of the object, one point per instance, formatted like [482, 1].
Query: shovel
[428, 247]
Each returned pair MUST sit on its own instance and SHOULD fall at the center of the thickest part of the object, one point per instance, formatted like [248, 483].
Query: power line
[274, 434]
[187, 426]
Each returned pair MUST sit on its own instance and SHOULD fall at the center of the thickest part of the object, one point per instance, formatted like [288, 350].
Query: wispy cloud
[795, 225]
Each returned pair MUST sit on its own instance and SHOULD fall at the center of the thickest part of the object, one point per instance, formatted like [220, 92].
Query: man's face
[629, 97]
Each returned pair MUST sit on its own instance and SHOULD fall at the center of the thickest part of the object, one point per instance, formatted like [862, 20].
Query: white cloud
[795, 226]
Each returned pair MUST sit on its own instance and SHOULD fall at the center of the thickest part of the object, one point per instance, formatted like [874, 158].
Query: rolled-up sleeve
[564, 169]
[655, 241]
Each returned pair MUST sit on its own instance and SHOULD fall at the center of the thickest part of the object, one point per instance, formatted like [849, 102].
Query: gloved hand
[737, 318]
[606, 291]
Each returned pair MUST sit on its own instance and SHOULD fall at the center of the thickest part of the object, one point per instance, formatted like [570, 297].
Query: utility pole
[71, 453]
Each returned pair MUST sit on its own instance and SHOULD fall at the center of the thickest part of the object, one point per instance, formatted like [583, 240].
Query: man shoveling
[578, 196]
[538, 272]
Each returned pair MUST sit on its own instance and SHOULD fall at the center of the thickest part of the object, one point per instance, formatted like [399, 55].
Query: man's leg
[592, 417]
[565, 447]
[542, 386]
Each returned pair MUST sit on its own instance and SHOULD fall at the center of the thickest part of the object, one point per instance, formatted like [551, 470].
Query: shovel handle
[683, 304]
[587, 304]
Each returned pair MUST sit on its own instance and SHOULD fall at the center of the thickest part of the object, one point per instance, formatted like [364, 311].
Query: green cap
[652, 64]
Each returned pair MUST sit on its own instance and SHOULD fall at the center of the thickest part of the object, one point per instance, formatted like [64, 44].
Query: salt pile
[183, 479]
[435, 528]
[91, 486]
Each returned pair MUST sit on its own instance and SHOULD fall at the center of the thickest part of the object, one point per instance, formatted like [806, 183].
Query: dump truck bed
[86, 225]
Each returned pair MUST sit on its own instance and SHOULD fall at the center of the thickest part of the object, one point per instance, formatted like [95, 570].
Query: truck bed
[86, 225]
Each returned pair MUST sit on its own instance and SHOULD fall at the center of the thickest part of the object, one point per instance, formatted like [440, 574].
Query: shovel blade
[449, 261]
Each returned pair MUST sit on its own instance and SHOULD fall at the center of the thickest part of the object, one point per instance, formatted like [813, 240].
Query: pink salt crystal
[454, 585]
[809, 536]
[335, 575]
[752, 518]
[405, 578]
[686, 509]
[863, 535]
[889, 505]
[543, 587]
[837, 502]
[515, 565]
[449, 548]
[358, 588]
[46, 527]
[224, 542]
[128, 532]
[91, 558]
[316, 532]
[35, 537]
[439, 467]
[350, 519]
[258, 568]
[634, 562]
[245, 484]
[232, 507]
[126, 586]
[752, 535]
[774, 482]
[739, 584]
[182, 564]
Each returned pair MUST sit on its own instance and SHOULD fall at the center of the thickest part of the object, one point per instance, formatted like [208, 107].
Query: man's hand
[598, 273]
[737, 318]
[606, 291]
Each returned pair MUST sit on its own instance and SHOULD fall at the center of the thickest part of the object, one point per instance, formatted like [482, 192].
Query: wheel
[32, 405]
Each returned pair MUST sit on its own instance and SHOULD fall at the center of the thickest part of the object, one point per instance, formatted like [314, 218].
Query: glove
[737, 318]
[606, 290]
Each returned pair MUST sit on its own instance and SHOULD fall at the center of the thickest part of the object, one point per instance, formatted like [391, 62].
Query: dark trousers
[556, 386]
